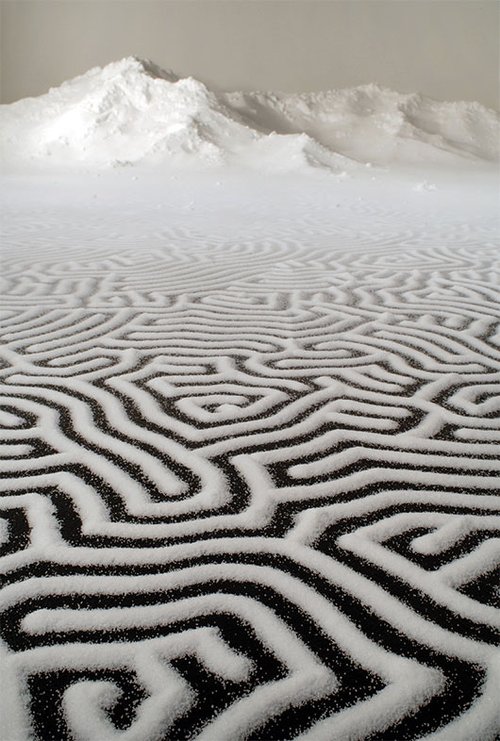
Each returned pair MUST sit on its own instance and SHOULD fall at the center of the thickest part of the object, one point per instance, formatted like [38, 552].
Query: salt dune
[250, 372]
[132, 111]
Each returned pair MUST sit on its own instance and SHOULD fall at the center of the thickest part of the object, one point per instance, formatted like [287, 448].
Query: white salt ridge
[132, 111]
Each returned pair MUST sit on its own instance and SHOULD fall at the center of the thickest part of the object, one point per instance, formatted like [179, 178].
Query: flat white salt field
[249, 423]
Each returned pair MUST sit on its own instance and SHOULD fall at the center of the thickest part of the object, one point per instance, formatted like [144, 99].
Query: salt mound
[133, 111]
[371, 123]
[124, 113]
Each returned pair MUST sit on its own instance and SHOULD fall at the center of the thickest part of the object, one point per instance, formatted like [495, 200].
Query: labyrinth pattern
[249, 490]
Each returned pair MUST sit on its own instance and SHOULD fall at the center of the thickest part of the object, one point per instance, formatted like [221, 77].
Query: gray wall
[445, 48]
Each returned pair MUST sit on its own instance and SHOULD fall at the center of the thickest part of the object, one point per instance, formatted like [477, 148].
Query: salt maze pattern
[250, 491]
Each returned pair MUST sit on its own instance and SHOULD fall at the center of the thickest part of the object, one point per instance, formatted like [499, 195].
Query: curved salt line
[397, 672]
[364, 543]
[169, 694]
[12, 450]
[327, 616]
[26, 322]
[482, 720]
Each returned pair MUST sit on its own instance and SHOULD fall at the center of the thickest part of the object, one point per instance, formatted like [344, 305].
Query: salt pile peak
[133, 111]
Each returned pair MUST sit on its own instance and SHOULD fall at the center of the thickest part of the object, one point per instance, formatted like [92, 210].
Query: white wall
[445, 48]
